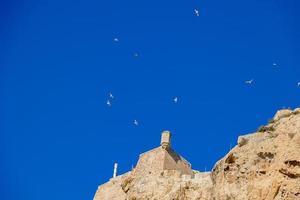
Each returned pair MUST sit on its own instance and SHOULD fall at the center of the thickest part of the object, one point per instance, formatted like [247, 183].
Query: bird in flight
[175, 99]
[196, 12]
[116, 39]
[135, 122]
[108, 103]
[111, 95]
[249, 81]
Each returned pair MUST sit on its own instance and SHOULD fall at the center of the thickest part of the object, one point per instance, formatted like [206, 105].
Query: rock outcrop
[263, 165]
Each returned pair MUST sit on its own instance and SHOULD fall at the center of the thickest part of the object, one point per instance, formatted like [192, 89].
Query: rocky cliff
[263, 165]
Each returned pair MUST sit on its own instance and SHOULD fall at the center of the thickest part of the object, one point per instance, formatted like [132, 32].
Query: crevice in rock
[126, 184]
[292, 163]
[289, 174]
[230, 159]
[266, 155]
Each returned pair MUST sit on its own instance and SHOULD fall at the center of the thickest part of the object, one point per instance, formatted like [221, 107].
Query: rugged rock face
[264, 165]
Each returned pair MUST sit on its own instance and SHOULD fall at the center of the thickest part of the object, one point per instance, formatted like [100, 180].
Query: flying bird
[111, 95]
[175, 99]
[135, 122]
[249, 81]
[108, 103]
[196, 12]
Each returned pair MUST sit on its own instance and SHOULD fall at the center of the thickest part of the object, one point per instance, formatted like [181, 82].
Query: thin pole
[115, 170]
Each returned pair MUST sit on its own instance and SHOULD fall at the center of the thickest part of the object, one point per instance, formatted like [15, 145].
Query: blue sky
[59, 61]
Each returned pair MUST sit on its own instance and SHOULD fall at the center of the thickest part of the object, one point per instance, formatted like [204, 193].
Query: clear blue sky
[58, 62]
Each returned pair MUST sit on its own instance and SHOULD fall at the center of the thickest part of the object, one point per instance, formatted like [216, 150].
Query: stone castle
[264, 165]
[162, 158]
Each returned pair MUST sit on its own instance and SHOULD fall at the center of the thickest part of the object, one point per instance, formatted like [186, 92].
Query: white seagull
[175, 99]
[108, 103]
[249, 81]
[135, 122]
[111, 95]
[196, 12]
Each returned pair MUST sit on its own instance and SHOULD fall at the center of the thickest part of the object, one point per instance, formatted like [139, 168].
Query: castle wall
[159, 159]
[150, 162]
[172, 161]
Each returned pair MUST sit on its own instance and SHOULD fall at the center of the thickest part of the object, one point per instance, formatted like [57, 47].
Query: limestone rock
[264, 168]
[264, 165]
[282, 113]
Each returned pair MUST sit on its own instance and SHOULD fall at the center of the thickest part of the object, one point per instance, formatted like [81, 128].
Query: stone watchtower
[162, 158]
[165, 141]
